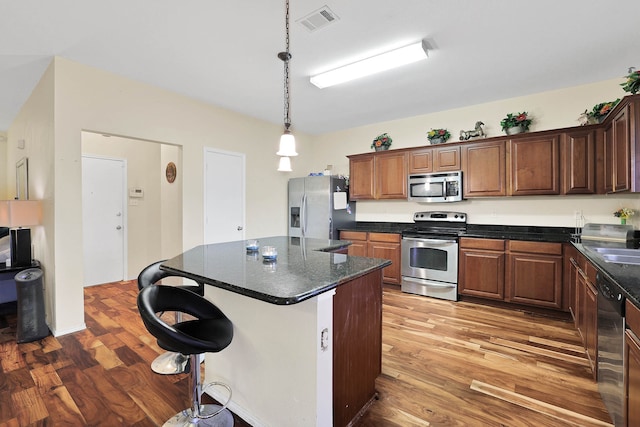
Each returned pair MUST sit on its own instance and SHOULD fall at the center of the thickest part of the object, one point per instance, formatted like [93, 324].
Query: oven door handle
[428, 283]
[430, 241]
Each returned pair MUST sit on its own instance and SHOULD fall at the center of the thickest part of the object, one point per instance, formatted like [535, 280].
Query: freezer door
[316, 215]
[295, 206]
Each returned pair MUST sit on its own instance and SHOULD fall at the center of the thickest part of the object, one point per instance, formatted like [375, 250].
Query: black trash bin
[31, 315]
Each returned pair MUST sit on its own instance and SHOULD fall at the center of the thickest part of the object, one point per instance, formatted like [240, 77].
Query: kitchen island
[307, 328]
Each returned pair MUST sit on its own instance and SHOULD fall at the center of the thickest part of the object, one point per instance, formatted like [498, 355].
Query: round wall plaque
[171, 172]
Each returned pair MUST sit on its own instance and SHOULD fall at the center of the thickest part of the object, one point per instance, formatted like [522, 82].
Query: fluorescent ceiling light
[375, 64]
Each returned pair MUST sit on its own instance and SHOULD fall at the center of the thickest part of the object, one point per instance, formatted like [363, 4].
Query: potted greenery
[516, 123]
[381, 142]
[632, 85]
[438, 136]
[623, 214]
[600, 111]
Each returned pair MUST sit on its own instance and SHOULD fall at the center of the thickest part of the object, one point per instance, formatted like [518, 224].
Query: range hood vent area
[318, 19]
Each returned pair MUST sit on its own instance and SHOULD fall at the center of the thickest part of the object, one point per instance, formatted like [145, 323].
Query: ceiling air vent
[318, 19]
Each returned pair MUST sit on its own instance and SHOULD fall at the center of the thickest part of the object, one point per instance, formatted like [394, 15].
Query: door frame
[243, 157]
[125, 214]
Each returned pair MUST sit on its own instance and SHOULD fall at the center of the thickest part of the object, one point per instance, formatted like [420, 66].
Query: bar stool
[211, 331]
[170, 362]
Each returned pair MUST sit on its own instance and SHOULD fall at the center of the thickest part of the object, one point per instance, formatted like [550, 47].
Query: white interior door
[224, 196]
[103, 219]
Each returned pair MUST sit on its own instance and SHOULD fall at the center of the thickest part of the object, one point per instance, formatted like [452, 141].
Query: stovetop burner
[437, 223]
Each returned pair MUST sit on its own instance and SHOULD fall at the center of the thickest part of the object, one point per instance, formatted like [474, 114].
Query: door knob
[118, 227]
[239, 228]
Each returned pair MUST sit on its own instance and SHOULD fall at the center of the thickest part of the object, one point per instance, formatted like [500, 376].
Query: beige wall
[91, 99]
[4, 189]
[156, 214]
[550, 110]
[84, 98]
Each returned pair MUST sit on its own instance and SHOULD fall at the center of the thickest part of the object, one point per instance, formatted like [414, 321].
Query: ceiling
[223, 52]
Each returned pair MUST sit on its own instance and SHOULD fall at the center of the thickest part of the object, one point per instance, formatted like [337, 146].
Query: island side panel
[275, 364]
[357, 357]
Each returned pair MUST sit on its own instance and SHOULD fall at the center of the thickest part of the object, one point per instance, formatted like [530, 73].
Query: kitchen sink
[622, 259]
[617, 251]
[619, 255]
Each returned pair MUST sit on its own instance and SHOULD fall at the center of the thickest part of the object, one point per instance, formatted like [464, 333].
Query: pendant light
[284, 165]
[287, 140]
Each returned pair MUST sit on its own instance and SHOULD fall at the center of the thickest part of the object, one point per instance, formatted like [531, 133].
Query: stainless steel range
[430, 254]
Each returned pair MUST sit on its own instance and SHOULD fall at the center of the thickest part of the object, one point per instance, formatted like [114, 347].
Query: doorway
[224, 196]
[104, 216]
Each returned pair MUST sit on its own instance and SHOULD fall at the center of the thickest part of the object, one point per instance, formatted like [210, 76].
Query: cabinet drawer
[590, 271]
[353, 235]
[632, 317]
[535, 247]
[384, 237]
[488, 244]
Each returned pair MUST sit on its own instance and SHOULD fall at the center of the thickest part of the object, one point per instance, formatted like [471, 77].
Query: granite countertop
[512, 232]
[304, 268]
[627, 276]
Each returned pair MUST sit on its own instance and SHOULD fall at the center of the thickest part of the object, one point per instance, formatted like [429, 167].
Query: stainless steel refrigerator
[319, 207]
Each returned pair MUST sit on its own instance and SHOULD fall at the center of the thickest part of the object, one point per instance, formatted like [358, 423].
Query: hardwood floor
[444, 364]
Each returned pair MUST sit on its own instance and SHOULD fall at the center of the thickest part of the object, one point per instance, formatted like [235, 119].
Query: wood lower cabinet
[632, 366]
[378, 176]
[483, 169]
[377, 245]
[481, 265]
[534, 166]
[514, 271]
[585, 309]
[534, 273]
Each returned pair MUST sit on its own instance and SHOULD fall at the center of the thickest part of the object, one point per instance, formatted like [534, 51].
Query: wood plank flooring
[444, 364]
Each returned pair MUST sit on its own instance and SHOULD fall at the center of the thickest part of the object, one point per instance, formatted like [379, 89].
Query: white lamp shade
[284, 165]
[20, 213]
[287, 145]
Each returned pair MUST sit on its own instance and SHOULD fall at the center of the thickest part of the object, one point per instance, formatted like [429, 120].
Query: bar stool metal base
[185, 419]
[170, 363]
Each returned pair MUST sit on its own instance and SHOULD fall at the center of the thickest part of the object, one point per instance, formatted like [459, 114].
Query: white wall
[170, 203]
[550, 110]
[4, 190]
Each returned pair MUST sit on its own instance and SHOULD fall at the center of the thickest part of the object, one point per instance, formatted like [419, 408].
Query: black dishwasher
[611, 347]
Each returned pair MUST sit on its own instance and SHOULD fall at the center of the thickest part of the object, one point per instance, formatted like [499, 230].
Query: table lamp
[16, 214]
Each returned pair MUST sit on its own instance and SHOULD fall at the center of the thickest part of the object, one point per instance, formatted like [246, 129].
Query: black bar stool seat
[210, 331]
[171, 362]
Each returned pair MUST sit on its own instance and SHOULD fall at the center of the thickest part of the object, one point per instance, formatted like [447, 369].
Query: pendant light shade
[287, 145]
[284, 165]
[287, 141]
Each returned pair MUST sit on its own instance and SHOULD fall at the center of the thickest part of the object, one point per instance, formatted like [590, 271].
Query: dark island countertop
[304, 268]
[627, 276]
[511, 232]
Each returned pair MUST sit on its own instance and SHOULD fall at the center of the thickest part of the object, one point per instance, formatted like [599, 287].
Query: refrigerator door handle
[303, 214]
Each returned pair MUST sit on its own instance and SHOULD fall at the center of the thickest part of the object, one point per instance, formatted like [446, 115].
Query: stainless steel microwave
[435, 187]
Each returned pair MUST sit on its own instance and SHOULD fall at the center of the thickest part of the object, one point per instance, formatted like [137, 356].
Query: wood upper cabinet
[632, 366]
[481, 272]
[377, 245]
[617, 152]
[390, 171]
[483, 169]
[534, 273]
[378, 176]
[361, 182]
[534, 166]
[578, 162]
[434, 159]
